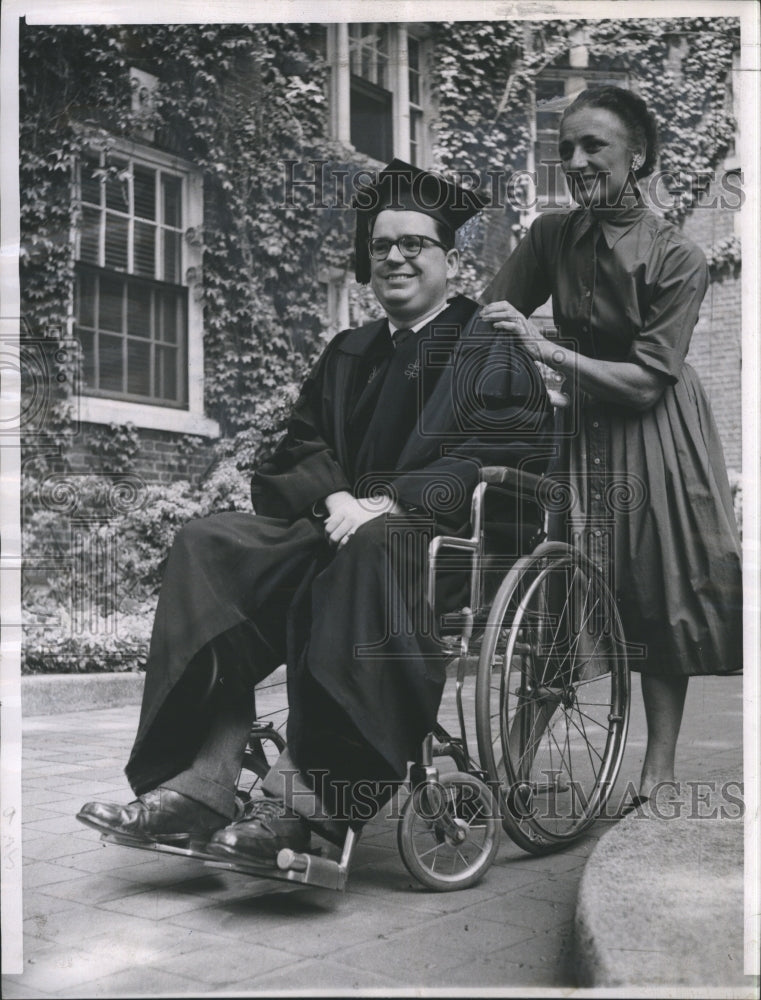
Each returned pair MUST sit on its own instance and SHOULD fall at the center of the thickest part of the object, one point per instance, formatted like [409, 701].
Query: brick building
[135, 308]
[715, 351]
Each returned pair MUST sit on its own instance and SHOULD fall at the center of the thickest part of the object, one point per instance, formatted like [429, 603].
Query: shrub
[91, 581]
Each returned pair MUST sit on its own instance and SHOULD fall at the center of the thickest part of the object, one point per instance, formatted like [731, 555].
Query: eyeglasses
[409, 246]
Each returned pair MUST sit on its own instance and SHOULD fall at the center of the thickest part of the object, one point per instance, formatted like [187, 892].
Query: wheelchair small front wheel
[266, 740]
[449, 830]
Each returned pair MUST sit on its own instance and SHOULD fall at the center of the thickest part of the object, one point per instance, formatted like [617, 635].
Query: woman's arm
[624, 382]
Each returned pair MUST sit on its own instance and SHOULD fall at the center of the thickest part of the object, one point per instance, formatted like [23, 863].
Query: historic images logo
[320, 184]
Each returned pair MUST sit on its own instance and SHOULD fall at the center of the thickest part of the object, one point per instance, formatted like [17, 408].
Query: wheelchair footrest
[306, 869]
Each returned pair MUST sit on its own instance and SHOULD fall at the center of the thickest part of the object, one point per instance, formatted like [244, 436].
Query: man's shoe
[268, 827]
[161, 816]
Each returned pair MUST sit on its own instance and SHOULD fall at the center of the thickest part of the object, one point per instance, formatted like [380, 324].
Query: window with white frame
[379, 89]
[417, 97]
[131, 303]
[371, 99]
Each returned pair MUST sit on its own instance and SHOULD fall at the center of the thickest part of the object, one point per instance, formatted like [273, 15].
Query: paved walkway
[109, 921]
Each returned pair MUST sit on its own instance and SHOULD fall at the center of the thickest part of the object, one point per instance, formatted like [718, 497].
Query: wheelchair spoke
[542, 729]
[454, 851]
[572, 721]
[590, 748]
[591, 719]
[463, 859]
[431, 850]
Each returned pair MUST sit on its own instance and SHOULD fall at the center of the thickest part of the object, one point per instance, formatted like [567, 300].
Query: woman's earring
[637, 161]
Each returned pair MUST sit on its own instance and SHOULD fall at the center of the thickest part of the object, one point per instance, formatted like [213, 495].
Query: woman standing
[651, 498]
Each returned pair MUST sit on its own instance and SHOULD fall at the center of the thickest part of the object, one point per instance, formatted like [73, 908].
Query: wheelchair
[542, 637]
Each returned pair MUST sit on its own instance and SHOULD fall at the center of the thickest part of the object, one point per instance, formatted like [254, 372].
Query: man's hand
[346, 514]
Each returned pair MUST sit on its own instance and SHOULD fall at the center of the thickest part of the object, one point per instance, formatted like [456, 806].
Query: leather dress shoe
[161, 816]
[267, 827]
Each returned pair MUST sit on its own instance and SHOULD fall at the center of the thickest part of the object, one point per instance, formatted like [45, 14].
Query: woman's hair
[632, 110]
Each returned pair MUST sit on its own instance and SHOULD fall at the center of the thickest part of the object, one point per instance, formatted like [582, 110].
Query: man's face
[408, 289]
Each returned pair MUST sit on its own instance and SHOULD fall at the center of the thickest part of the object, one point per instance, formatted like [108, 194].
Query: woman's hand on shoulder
[504, 316]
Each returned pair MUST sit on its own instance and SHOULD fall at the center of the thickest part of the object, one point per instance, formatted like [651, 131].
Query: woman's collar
[612, 222]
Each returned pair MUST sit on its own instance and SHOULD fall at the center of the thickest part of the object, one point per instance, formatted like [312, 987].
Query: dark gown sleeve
[491, 409]
[524, 278]
[303, 468]
[672, 312]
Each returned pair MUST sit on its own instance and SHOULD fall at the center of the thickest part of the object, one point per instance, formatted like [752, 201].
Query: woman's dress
[648, 492]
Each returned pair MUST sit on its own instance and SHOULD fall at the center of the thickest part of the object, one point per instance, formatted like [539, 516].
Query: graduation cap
[402, 187]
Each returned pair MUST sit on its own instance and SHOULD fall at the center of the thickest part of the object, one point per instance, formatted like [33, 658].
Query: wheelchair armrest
[517, 481]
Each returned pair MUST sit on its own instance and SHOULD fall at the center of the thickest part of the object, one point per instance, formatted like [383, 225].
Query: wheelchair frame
[453, 813]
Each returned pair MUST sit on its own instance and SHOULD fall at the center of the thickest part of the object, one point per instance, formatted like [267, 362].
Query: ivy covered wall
[239, 100]
[486, 76]
[235, 100]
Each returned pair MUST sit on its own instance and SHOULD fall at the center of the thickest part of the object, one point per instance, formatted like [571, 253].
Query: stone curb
[661, 901]
[50, 694]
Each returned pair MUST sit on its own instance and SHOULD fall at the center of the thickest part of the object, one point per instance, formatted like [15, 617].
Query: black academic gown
[365, 672]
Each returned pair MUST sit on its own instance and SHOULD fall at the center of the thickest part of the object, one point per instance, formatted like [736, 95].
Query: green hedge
[91, 580]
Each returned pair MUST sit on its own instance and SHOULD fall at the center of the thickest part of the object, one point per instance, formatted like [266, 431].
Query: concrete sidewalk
[661, 900]
[110, 921]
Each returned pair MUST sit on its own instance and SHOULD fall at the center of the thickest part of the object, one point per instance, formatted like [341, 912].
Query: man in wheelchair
[381, 452]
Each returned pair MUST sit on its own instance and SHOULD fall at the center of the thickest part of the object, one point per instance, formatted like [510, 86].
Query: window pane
[368, 52]
[166, 361]
[139, 368]
[139, 311]
[548, 90]
[171, 256]
[551, 101]
[416, 118]
[117, 188]
[414, 88]
[169, 318]
[550, 183]
[85, 308]
[413, 58]
[413, 53]
[89, 185]
[371, 120]
[87, 340]
[365, 66]
[89, 229]
[145, 192]
[111, 367]
[117, 229]
[172, 201]
[144, 252]
[381, 57]
[110, 317]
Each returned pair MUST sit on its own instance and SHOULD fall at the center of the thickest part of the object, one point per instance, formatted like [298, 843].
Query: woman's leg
[664, 704]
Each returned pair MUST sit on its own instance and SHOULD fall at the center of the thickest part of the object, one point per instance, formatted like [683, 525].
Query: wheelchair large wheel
[266, 741]
[552, 697]
[449, 830]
